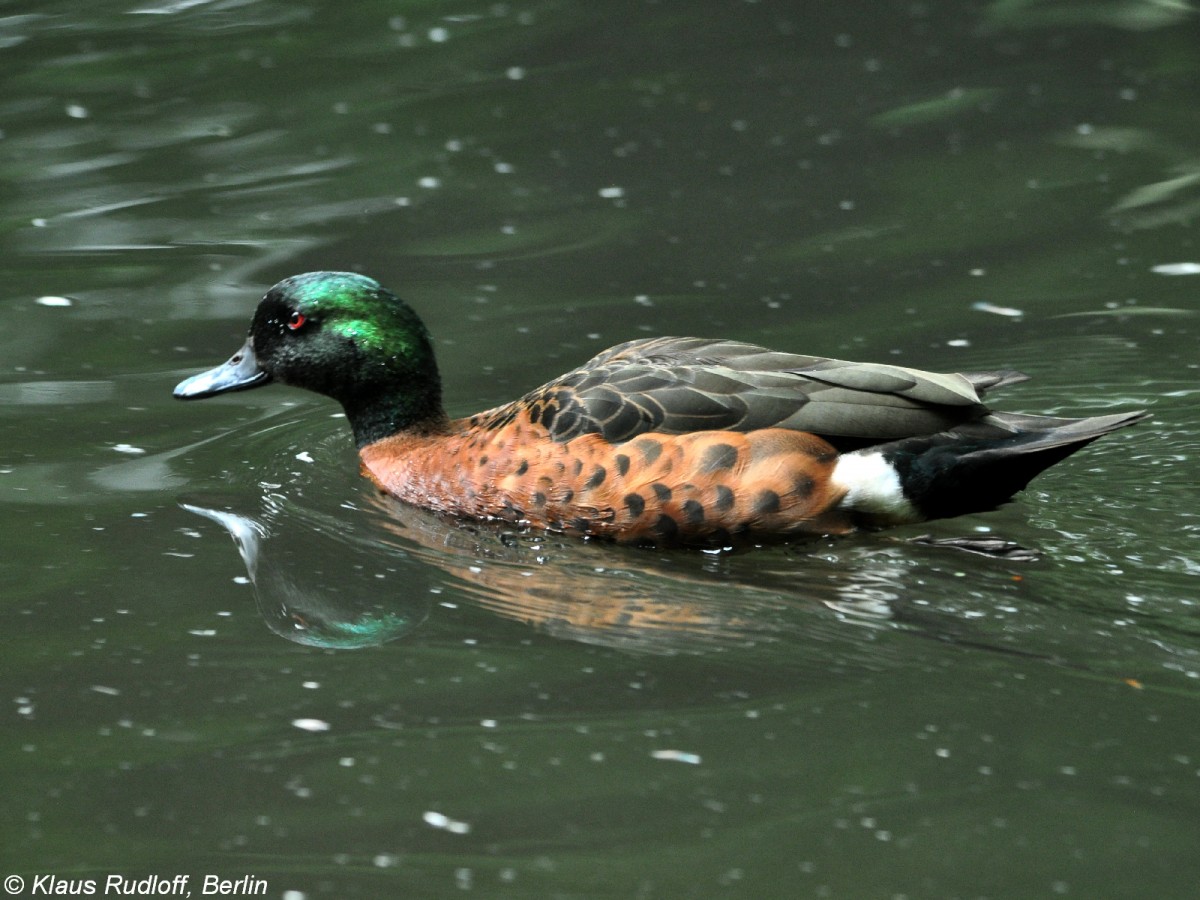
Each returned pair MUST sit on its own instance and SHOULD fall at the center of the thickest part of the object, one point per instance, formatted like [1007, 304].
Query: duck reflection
[309, 600]
[374, 575]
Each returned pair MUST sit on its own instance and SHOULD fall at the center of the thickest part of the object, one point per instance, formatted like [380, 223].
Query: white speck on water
[313, 725]
[129, 448]
[514, 73]
[1010, 311]
[612, 193]
[439, 35]
[430, 182]
[682, 756]
[203, 632]
[958, 342]
[54, 301]
[444, 822]
[76, 111]
[104, 689]
[310, 685]
[304, 456]
[488, 723]
[1180, 268]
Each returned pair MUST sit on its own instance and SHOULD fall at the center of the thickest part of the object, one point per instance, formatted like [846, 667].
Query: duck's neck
[373, 417]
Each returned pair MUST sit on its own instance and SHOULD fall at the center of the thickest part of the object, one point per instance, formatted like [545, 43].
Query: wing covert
[677, 385]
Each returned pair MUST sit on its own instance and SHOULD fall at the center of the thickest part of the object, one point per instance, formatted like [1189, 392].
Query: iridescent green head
[345, 336]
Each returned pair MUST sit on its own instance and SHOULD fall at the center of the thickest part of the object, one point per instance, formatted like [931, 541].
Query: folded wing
[677, 385]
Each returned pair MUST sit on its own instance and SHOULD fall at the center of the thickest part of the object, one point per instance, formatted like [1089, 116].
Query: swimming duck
[662, 440]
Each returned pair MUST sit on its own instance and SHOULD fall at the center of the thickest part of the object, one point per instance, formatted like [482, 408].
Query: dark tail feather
[979, 466]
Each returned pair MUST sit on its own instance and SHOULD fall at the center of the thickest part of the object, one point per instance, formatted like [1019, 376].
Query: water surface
[383, 703]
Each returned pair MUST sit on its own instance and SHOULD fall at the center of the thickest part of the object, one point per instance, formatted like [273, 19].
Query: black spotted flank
[803, 485]
[661, 491]
[693, 511]
[596, 478]
[718, 457]
[650, 450]
[766, 502]
[636, 504]
[622, 464]
[666, 528]
[725, 499]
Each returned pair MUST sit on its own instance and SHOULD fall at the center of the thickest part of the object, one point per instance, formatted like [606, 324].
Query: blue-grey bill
[240, 373]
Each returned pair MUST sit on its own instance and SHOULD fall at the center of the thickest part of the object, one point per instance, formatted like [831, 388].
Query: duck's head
[342, 335]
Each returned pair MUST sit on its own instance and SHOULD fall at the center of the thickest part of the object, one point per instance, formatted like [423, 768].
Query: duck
[662, 440]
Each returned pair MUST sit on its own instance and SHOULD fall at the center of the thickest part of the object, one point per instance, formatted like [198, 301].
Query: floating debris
[311, 724]
[1010, 311]
[1180, 268]
[444, 822]
[677, 756]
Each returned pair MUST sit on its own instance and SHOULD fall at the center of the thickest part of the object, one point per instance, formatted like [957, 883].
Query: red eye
[296, 321]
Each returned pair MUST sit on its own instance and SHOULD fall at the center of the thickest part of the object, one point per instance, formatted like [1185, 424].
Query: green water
[399, 707]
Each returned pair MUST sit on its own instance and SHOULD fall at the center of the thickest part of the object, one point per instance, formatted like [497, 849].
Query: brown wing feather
[678, 385]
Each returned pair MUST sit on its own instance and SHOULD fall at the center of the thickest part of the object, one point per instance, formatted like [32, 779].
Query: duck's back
[678, 385]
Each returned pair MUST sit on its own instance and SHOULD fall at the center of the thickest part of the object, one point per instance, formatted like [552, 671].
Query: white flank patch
[873, 487]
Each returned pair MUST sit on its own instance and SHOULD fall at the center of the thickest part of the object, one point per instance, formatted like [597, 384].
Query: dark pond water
[399, 707]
